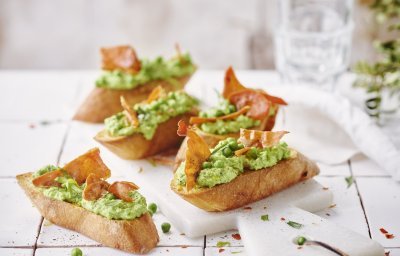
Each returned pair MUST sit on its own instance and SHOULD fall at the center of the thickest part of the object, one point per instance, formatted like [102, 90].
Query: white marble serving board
[273, 237]
[258, 236]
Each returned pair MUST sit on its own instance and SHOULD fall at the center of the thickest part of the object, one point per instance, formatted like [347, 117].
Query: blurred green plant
[385, 73]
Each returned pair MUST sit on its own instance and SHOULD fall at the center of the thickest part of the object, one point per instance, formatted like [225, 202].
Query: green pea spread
[151, 70]
[107, 206]
[151, 115]
[223, 166]
[221, 127]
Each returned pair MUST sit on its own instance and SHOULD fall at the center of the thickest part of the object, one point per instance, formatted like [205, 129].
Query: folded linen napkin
[329, 129]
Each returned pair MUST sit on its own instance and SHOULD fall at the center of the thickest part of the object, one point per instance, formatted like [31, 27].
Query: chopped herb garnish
[349, 181]
[219, 148]
[44, 122]
[237, 252]
[265, 217]
[294, 224]
[301, 240]
[222, 244]
[152, 162]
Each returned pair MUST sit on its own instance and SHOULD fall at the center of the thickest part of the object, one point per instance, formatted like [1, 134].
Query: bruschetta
[78, 197]
[149, 127]
[124, 74]
[239, 107]
[240, 171]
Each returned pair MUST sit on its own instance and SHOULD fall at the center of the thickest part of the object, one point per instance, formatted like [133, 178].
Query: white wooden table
[35, 111]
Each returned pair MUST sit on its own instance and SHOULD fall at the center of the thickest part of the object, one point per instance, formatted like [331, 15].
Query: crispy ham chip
[129, 113]
[259, 104]
[47, 179]
[86, 164]
[121, 190]
[231, 84]
[120, 57]
[95, 188]
[197, 152]
[200, 120]
[155, 94]
[273, 99]
[240, 96]
[253, 138]
[182, 128]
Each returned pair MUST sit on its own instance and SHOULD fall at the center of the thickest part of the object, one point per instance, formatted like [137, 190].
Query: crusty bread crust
[250, 186]
[135, 236]
[102, 102]
[136, 146]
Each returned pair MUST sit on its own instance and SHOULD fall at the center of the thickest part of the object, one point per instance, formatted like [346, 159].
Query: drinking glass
[313, 40]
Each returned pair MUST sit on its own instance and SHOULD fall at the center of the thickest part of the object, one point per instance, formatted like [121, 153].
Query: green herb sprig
[385, 73]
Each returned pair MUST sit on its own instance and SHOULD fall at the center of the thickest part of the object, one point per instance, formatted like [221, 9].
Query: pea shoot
[294, 224]
[264, 217]
[165, 227]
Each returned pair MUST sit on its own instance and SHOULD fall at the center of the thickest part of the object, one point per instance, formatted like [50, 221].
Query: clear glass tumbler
[313, 40]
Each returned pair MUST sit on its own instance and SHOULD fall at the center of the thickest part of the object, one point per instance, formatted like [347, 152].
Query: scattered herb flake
[152, 162]
[44, 122]
[265, 217]
[222, 244]
[349, 180]
[386, 233]
[383, 231]
[389, 236]
[294, 224]
[237, 252]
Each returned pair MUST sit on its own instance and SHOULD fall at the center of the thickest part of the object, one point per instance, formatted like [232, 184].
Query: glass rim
[293, 33]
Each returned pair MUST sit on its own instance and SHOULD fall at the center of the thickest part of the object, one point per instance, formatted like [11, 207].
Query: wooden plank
[16, 251]
[28, 146]
[363, 166]
[346, 210]
[380, 196]
[19, 220]
[104, 251]
[37, 95]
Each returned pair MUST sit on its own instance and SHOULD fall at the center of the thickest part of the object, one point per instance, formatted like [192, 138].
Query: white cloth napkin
[328, 128]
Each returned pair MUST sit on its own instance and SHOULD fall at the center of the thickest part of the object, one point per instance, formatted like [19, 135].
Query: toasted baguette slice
[250, 186]
[135, 236]
[136, 146]
[102, 103]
